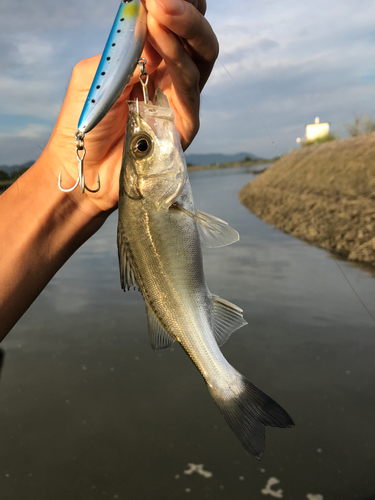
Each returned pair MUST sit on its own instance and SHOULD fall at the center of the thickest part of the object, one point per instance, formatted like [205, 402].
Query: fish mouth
[149, 110]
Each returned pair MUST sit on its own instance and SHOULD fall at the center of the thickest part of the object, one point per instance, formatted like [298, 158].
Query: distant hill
[194, 159]
[11, 168]
[209, 158]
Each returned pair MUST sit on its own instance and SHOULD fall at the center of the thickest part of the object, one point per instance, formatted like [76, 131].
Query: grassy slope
[330, 200]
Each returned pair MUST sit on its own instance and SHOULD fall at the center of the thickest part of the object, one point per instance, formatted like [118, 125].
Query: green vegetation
[4, 176]
[256, 161]
[362, 125]
[319, 140]
[246, 162]
[7, 179]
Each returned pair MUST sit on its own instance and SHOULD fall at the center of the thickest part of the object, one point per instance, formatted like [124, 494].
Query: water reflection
[88, 410]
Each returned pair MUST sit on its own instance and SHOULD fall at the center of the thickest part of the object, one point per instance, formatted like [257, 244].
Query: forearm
[40, 228]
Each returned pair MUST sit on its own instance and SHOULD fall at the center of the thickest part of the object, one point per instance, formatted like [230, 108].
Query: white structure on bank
[315, 130]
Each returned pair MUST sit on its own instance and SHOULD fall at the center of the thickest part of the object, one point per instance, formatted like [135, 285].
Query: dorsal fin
[127, 275]
[227, 319]
[159, 338]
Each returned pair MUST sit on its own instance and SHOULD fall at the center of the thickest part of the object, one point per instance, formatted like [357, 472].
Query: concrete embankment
[325, 196]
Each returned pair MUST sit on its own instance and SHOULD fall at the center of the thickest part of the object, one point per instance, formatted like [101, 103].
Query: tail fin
[248, 413]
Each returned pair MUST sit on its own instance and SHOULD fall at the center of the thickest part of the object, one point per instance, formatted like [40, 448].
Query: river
[89, 411]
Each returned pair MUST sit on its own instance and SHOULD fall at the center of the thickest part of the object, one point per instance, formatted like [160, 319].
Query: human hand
[180, 50]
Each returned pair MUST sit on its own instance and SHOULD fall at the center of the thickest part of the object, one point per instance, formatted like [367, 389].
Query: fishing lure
[117, 64]
[120, 57]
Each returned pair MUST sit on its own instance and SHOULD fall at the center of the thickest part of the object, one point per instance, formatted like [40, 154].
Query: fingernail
[172, 7]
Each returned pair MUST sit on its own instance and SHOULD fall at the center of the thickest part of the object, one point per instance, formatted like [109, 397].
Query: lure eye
[141, 146]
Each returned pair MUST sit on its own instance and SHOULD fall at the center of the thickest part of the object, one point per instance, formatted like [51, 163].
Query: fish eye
[141, 146]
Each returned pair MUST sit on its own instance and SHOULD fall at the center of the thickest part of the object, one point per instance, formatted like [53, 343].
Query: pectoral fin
[213, 231]
[227, 319]
[159, 338]
[127, 275]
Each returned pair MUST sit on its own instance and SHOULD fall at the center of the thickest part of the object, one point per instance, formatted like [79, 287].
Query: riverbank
[233, 164]
[325, 196]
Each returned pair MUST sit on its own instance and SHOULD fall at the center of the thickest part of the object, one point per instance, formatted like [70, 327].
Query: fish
[117, 64]
[159, 248]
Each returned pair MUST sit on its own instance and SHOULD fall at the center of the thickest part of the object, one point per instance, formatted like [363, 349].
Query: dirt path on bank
[330, 200]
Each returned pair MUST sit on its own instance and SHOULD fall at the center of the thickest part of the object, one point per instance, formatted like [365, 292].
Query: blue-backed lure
[120, 57]
[117, 64]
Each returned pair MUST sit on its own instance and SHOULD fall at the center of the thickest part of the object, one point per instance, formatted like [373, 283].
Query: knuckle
[200, 5]
[215, 48]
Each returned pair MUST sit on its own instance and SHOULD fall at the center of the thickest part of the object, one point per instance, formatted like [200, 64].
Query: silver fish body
[160, 253]
[119, 59]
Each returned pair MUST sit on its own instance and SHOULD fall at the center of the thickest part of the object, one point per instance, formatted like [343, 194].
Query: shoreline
[234, 164]
[330, 200]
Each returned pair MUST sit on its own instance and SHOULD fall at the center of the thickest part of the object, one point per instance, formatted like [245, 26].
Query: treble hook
[70, 189]
[81, 177]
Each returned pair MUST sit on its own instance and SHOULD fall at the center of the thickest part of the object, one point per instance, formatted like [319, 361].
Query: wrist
[41, 228]
[76, 211]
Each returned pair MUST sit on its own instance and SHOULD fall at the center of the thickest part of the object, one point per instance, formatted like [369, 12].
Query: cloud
[21, 148]
[34, 16]
[31, 131]
[291, 61]
[33, 51]
[311, 66]
[29, 98]
[23, 144]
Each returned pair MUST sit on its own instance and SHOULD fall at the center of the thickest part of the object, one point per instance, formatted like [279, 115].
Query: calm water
[89, 411]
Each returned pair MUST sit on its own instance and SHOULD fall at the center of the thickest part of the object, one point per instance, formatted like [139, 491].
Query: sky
[281, 64]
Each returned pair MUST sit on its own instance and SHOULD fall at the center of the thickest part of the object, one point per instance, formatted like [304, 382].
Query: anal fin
[227, 319]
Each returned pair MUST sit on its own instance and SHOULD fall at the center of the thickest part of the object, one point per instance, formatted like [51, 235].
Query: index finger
[184, 18]
[200, 5]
